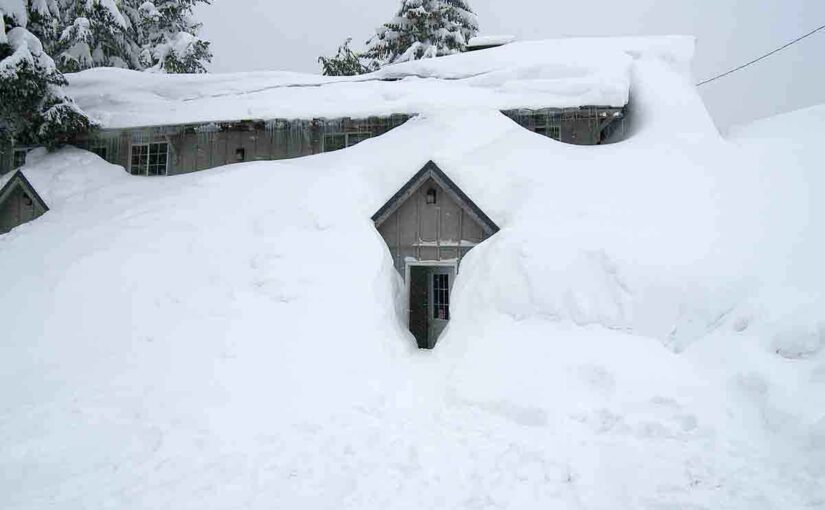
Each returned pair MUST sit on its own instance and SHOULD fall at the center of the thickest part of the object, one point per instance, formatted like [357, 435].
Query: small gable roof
[432, 171]
[7, 183]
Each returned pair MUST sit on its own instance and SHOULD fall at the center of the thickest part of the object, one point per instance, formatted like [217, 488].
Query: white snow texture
[646, 331]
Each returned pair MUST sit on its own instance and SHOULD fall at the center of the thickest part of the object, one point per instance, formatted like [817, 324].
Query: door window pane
[441, 296]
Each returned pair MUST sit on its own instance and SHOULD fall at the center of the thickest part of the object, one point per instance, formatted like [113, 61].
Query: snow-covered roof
[541, 74]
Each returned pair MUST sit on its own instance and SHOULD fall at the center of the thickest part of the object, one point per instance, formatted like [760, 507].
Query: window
[103, 152]
[338, 141]
[240, 155]
[356, 138]
[432, 196]
[19, 158]
[441, 296]
[150, 159]
[335, 142]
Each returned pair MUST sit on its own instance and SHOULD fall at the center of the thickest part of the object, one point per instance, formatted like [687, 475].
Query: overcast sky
[288, 35]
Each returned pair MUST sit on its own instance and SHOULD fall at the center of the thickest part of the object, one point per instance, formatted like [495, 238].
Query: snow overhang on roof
[566, 73]
[490, 41]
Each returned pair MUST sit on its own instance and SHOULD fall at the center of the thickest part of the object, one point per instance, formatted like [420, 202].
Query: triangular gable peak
[431, 221]
[19, 202]
[432, 171]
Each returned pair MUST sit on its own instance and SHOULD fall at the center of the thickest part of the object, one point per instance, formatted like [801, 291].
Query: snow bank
[643, 332]
[567, 73]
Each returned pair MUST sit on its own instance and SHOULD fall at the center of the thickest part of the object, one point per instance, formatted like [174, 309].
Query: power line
[763, 57]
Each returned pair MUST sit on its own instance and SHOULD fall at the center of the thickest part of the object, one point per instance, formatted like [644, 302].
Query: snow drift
[646, 331]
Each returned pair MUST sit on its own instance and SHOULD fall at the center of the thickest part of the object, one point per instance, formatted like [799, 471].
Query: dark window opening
[441, 297]
[432, 196]
[27, 199]
[103, 152]
[150, 159]
[240, 155]
[19, 158]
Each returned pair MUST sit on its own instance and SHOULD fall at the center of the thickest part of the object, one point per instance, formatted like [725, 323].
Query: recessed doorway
[429, 286]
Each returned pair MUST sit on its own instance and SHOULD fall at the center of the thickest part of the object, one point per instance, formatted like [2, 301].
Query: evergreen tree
[35, 109]
[345, 63]
[97, 34]
[159, 35]
[168, 37]
[423, 29]
[44, 23]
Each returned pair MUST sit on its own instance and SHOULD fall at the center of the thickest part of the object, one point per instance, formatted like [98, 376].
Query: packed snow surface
[646, 331]
[541, 74]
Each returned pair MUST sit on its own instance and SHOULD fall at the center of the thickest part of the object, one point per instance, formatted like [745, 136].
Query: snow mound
[643, 332]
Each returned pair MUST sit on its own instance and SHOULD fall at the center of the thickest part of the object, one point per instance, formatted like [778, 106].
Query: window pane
[334, 142]
[354, 138]
[157, 158]
[138, 159]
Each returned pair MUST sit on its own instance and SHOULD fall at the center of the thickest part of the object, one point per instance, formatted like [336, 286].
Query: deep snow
[645, 332]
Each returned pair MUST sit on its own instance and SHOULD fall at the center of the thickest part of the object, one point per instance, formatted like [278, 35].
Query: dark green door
[419, 304]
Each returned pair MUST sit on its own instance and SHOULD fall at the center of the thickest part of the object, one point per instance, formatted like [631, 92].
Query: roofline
[18, 174]
[433, 170]
[555, 109]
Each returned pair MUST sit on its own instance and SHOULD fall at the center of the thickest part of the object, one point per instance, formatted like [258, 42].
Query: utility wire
[763, 57]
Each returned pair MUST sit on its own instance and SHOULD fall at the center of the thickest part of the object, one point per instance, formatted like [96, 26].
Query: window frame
[146, 166]
[364, 135]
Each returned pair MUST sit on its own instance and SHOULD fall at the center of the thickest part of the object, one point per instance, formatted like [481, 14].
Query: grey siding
[578, 126]
[200, 147]
[193, 147]
[419, 231]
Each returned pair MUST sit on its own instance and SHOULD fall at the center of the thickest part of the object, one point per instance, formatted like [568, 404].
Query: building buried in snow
[19, 201]
[184, 148]
[151, 124]
[429, 225]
